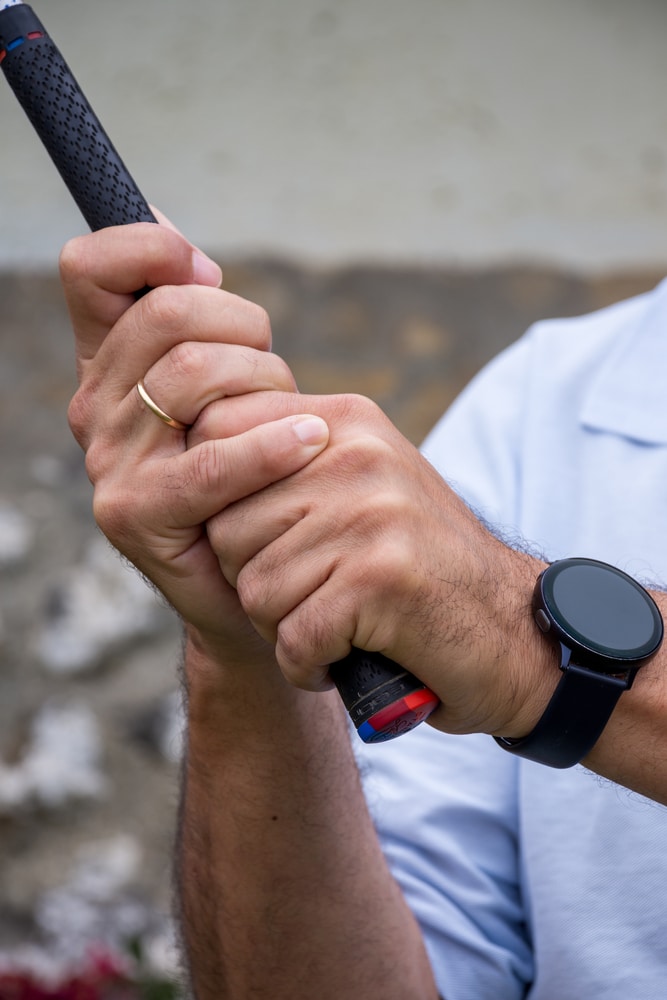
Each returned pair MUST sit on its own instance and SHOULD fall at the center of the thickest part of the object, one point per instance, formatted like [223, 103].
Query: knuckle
[261, 324]
[97, 462]
[290, 644]
[303, 655]
[209, 472]
[246, 322]
[383, 520]
[114, 511]
[71, 259]
[352, 406]
[283, 372]
[81, 413]
[391, 574]
[187, 360]
[166, 310]
[78, 415]
[364, 455]
[393, 563]
[219, 536]
[216, 533]
[252, 592]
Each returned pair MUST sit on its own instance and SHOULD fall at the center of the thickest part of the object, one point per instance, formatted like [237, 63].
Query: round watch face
[602, 608]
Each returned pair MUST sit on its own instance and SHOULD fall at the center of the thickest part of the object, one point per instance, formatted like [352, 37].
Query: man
[284, 529]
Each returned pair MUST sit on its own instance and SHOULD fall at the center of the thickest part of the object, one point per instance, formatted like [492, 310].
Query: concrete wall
[441, 131]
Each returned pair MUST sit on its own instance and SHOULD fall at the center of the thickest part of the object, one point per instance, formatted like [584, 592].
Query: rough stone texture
[409, 339]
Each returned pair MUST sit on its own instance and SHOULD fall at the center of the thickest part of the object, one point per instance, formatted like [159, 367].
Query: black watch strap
[573, 720]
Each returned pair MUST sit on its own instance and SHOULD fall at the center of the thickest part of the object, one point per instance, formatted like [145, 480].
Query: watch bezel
[591, 681]
[584, 650]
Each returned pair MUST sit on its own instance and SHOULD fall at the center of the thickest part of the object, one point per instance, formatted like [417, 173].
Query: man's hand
[367, 546]
[191, 344]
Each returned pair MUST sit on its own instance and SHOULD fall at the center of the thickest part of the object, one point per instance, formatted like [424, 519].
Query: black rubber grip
[101, 185]
[67, 125]
[371, 685]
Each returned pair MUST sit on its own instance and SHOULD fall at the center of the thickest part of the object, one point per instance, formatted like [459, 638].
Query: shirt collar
[628, 393]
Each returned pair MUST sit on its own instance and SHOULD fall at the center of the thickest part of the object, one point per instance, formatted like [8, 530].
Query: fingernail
[205, 271]
[311, 430]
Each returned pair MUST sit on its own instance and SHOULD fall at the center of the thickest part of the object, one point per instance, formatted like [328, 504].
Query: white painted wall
[451, 131]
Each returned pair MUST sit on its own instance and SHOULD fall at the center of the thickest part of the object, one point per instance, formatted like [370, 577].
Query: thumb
[204, 270]
[222, 471]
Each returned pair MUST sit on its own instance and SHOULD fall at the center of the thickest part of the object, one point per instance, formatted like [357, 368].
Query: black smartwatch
[606, 626]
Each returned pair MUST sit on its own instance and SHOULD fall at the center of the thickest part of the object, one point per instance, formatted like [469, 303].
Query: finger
[200, 482]
[309, 640]
[102, 271]
[280, 576]
[147, 331]
[172, 315]
[230, 416]
[165, 499]
[192, 375]
[276, 551]
[243, 530]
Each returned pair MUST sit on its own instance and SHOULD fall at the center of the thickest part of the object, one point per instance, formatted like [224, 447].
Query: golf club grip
[63, 119]
[382, 699]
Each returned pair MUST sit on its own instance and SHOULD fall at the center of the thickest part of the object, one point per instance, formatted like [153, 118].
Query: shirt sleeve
[445, 807]
[445, 811]
[476, 446]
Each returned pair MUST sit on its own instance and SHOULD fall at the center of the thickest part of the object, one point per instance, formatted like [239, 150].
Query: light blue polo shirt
[528, 881]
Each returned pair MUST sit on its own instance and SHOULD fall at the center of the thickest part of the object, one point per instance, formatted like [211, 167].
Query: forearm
[284, 889]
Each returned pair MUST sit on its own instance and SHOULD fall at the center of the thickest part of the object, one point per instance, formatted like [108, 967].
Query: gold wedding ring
[154, 408]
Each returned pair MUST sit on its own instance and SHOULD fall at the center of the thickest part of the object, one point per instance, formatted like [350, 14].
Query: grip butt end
[382, 699]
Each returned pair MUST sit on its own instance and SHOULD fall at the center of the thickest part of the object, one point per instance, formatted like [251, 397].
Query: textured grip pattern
[76, 142]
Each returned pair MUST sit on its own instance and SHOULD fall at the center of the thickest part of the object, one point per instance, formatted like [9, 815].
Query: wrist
[236, 693]
[531, 673]
[216, 672]
[604, 627]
